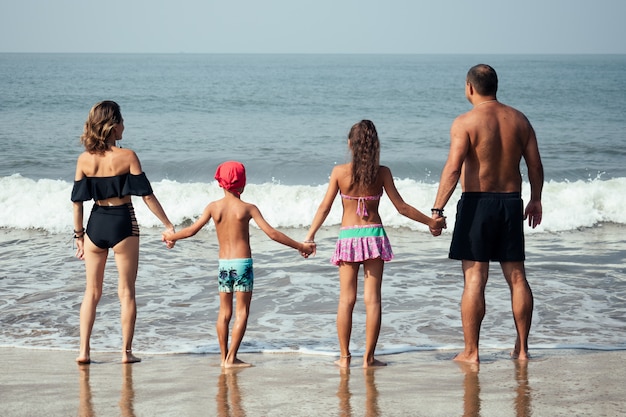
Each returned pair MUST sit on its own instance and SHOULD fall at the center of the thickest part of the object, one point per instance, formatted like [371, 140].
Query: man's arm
[459, 147]
[535, 176]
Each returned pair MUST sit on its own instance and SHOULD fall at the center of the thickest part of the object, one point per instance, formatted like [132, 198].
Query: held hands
[166, 237]
[308, 248]
[439, 221]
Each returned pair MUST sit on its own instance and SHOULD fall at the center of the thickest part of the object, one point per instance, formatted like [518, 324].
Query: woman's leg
[95, 261]
[373, 272]
[127, 260]
[348, 273]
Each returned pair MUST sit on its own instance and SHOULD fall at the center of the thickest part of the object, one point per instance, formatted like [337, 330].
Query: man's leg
[472, 307]
[522, 305]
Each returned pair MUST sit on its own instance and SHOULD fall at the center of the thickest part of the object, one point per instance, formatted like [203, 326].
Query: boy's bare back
[232, 225]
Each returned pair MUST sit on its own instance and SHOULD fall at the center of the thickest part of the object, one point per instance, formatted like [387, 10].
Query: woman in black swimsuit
[109, 175]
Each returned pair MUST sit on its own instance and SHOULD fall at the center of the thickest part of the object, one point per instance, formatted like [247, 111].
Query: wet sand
[555, 383]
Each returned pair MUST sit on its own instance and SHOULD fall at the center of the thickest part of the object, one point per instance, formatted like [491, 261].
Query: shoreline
[555, 382]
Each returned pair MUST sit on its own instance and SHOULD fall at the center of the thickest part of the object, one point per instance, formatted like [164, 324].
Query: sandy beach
[555, 383]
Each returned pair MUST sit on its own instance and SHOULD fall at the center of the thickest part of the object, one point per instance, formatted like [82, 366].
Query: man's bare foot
[374, 363]
[128, 357]
[462, 357]
[237, 363]
[83, 360]
[520, 356]
[344, 361]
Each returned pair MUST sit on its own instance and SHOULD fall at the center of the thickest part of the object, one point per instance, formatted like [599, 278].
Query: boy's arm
[189, 231]
[304, 248]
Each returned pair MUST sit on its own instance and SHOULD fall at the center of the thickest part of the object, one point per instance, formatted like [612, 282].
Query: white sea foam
[45, 204]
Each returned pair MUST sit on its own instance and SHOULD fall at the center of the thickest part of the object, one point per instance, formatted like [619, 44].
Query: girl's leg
[223, 321]
[373, 271]
[95, 261]
[242, 310]
[127, 260]
[348, 273]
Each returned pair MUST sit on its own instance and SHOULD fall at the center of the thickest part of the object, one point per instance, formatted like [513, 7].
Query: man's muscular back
[496, 136]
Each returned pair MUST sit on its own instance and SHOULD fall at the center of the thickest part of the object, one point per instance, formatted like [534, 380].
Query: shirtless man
[486, 147]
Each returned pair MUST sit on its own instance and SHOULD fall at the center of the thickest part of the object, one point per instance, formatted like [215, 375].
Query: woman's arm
[79, 231]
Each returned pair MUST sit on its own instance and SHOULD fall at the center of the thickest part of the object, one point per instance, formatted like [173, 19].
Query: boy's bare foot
[128, 357]
[237, 363]
[374, 363]
[344, 361]
[462, 357]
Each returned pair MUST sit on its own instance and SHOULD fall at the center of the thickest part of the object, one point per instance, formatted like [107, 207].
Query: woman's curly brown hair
[365, 153]
[103, 117]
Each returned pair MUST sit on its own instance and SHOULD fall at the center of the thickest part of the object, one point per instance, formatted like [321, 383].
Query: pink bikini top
[361, 208]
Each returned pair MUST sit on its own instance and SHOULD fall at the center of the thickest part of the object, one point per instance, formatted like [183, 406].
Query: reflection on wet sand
[523, 406]
[85, 404]
[371, 394]
[228, 398]
[127, 394]
[471, 384]
[471, 389]
[344, 394]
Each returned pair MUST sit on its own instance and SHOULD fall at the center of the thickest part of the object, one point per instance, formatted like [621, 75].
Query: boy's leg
[242, 309]
[223, 321]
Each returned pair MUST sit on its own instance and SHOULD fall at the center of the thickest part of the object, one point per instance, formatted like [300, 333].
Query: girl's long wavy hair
[365, 153]
[103, 117]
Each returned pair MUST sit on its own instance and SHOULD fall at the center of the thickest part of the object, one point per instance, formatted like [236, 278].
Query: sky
[314, 26]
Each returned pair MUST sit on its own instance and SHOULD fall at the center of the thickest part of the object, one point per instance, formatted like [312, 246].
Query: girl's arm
[325, 206]
[404, 208]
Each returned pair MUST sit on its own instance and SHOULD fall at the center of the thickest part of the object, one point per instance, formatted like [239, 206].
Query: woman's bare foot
[237, 363]
[128, 357]
[83, 360]
[344, 361]
[373, 363]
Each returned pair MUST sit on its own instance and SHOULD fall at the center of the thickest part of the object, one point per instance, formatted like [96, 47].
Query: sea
[286, 117]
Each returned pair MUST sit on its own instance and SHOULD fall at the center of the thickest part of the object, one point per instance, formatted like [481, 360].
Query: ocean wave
[45, 203]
